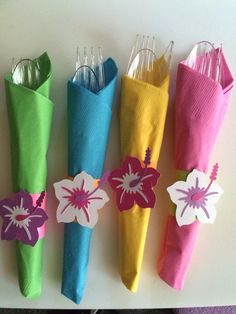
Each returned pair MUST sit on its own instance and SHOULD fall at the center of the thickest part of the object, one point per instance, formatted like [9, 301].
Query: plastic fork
[207, 60]
[143, 56]
[89, 69]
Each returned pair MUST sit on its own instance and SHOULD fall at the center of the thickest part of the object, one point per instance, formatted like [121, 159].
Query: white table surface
[28, 28]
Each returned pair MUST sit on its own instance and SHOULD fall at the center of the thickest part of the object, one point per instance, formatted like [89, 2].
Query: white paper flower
[195, 198]
[79, 200]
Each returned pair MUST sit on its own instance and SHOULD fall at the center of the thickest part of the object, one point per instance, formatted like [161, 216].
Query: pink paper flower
[79, 200]
[134, 184]
[21, 219]
[195, 198]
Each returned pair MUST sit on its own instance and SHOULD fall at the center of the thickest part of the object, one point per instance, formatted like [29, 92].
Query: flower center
[131, 182]
[21, 217]
[195, 196]
[134, 182]
[199, 195]
[79, 198]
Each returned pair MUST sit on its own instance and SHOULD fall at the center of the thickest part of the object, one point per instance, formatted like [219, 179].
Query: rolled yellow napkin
[142, 120]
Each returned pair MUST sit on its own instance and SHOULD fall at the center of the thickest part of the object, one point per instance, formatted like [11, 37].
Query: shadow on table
[34, 311]
[196, 310]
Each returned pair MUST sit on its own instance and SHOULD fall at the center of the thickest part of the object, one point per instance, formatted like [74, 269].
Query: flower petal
[38, 218]
[185, 215]
[132, 165]
[124, 200]
[214, 193]
[88, 216]
[62, 188]
[24, 200]
[115, 179]
[151, 175]
[8, 230]
[98, 199]
[145, 198]
[27, 235]
[84, 180]
[6, 207]
[65, 212]
[177, 190]
[82, 217]
[206, 214]
[201, 177]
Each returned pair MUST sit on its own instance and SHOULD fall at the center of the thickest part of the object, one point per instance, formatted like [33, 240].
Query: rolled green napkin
[30, 116]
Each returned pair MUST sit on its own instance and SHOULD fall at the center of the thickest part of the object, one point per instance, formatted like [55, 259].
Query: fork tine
[86, 79]
[92, 84]
[169, 53]
[220, 64]
[148, 54]
[13, 65]
[78, 63]
[141, 60]
[153, 49]
[133, 52]
[141, 67]
[145, 59]
[89, 69]
[101, 76]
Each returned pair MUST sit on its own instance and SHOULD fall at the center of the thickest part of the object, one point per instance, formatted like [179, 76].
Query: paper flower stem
[101, 182]
[147, 161]
[39, 201]
[213, 176]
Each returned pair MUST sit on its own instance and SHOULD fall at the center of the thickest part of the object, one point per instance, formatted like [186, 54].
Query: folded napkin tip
[131, 281]
[29, 293]
[177, 285]
[72, 295]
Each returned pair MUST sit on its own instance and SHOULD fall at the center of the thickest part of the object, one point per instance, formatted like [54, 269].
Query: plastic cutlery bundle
[30, 113]
[89, 69]
[203, 87]
[207, 60]
[144, 101]
[142, 60]
[26, 72]
[90, 95]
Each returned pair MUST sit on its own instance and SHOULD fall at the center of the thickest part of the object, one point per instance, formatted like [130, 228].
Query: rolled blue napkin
[89, 118]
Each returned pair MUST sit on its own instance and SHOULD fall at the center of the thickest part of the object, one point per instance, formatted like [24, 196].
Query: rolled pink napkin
[200, 106]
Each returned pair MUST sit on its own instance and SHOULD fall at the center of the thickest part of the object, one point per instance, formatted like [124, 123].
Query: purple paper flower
[21, 219]
[134, 184]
